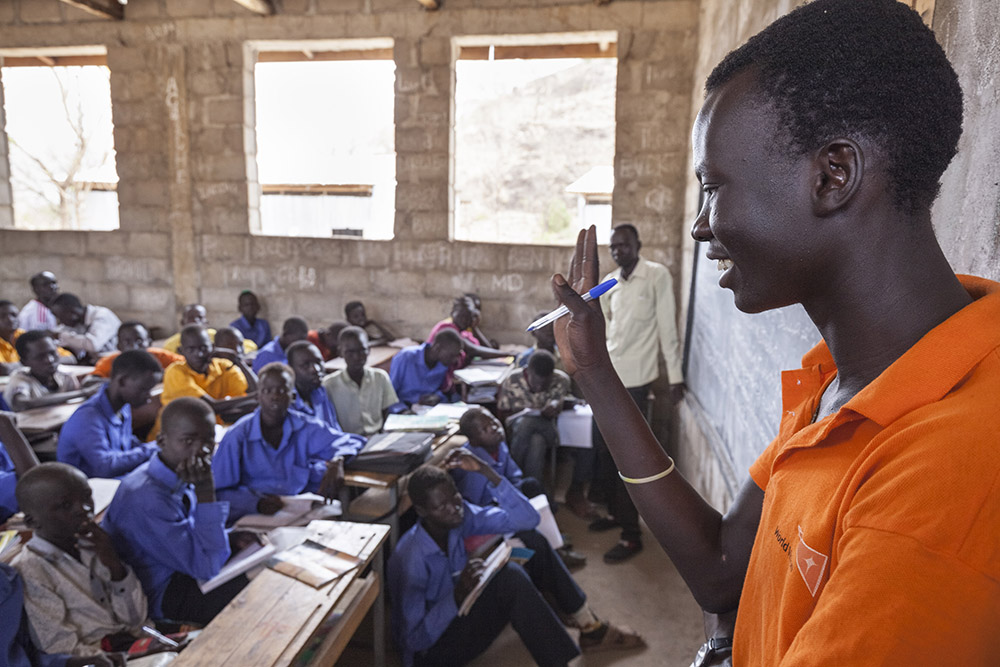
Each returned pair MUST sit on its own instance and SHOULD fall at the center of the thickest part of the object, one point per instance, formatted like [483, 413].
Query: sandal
[610, 638]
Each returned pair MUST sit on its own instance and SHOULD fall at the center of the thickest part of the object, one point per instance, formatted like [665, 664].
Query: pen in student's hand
[594, 293]
[160, 637]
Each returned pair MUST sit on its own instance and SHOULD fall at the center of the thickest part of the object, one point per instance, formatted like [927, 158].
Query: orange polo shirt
[103, 366]
[879, 541]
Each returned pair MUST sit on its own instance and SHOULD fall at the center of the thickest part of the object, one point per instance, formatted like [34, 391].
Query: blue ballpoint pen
[594, 293]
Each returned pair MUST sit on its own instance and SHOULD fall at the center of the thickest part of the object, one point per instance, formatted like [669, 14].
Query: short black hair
[186, 406]
[38, 277]
[26, 491]
[68, 300]
[463, 301]
[447, 336]
[295, 348]
[135, 362]
[465, 421]
[872, 67]
[228, 331]
[276, 367]
[542, 363]
[295, 325]
[128, 324]
[27, 338]
[423, 479]
[189, 329]
[477, 301]
[627, 227]
[356, 333]
[351, 305]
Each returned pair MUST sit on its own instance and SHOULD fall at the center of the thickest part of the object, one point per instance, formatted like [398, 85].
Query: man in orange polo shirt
[869, 530]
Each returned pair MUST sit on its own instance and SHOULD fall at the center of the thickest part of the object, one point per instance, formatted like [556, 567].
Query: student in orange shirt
[325, 339]
[867, 532]
[133, 335]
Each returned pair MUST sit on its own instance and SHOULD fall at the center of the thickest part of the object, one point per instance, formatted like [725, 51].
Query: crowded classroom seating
[287, 427]
[235, 495]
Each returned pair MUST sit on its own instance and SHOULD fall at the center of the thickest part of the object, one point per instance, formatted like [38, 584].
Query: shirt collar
[292, 423]
[104, 405]
[159, 472]
[929, 369]
[44, 548]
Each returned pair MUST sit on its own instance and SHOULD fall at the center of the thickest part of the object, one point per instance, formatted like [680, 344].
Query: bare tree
[63, 171]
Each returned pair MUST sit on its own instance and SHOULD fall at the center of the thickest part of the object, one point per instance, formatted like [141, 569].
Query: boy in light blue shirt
[311, 399]
[168, 525]
[418, 373]
[430, 575]
[294, 329]
[275, 451]
[98, 437]
[252, 327]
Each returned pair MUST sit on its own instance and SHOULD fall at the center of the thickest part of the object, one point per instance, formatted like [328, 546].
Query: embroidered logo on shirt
[811, 564]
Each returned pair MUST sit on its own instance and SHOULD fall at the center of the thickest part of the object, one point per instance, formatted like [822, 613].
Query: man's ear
[839, 170]
[420, 511]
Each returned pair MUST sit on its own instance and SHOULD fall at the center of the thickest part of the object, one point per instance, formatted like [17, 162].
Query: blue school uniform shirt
[8, 482]
[322, 410]
[100, 442]
[476, 488]
[259, 332]
[16, 646]
[246, 466]
[422, 577]
[412, 379]
[270, 352]
[158, 526]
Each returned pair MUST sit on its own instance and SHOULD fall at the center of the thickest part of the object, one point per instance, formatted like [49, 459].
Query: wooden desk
[276, 618]
[385, 497]
[49, 418]
[379, 356]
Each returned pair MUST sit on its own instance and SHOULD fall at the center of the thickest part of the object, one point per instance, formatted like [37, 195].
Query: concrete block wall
[182, 92]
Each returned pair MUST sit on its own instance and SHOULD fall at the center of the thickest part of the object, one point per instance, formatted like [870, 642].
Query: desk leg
[378, 618]
[394, 515]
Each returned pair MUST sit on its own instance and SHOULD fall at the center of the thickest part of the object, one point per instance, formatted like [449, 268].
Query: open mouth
[725, 264]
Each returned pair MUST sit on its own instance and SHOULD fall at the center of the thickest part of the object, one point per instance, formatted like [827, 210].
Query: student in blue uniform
[252, 327]
[293, 329]
[168, 525]
[430, 574]
[486, 440]
[98, 438]
[418, 372]
[16, 458]
[275, 451]
[311, 399]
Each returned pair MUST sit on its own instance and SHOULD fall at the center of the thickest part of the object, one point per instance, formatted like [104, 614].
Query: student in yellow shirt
[195, 313]
[10, 360]
[216, 375]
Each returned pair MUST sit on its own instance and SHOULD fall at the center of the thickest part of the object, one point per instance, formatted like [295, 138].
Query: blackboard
[734, 366]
